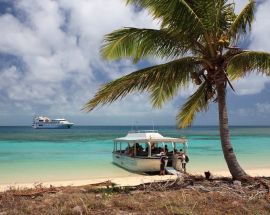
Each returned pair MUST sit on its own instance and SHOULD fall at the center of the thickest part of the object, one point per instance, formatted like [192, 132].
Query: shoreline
[119, 181]
[258, 172]
[123, 181]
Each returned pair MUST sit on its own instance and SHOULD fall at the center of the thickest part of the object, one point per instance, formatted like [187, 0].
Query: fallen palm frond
[37, 191]
[104, 183]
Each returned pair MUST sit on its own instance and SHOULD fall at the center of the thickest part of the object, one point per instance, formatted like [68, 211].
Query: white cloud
[59, 44]
[239, 5]
[261, 28]
[260, 109]
[254, 83]
[263, 108]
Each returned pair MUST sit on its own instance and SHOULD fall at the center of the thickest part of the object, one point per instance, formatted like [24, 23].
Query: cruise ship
[41, 122]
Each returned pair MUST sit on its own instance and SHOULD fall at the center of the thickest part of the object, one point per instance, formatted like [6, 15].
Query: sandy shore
[123, 181]
[251, 172]
[226, 173]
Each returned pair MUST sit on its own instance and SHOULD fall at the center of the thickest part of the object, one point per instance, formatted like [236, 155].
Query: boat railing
[143, 131]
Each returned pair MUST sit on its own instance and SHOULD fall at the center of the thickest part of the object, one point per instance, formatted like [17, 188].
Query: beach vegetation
[219, 196]
[198, 40]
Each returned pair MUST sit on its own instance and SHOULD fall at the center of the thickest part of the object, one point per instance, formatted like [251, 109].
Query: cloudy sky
[50, 65]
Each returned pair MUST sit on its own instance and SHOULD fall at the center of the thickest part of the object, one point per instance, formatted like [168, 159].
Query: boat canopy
[148, 136]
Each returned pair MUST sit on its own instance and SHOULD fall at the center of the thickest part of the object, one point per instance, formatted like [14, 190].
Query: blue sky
[50, 65]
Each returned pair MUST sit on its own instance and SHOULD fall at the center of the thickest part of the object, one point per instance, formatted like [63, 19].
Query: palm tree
[198, 40]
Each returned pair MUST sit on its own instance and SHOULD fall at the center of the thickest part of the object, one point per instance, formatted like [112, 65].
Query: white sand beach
[251, 172]
[123, 181]
[119, 181]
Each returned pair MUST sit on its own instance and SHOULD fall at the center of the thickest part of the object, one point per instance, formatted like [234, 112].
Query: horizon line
[82, 125]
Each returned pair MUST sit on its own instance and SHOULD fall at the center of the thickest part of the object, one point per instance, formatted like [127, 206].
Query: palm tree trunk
[235, 169]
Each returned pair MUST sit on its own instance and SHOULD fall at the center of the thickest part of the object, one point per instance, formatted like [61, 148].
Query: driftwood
[30, 194]
[38, 191]
[104, 183]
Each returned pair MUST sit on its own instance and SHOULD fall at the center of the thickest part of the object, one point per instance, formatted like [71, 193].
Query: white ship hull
[43, 122]
[52, 126]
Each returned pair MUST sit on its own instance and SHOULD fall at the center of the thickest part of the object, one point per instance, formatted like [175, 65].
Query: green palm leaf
[178, 76]
[243, 21]
[138, 43]
[196, 102]
[161, 81]
[178, 15]
[248, 61]
[208, 13]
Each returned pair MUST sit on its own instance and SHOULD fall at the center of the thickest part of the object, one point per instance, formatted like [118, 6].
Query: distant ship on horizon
[43, 122]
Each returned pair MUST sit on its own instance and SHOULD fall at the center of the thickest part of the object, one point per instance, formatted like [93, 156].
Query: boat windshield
[147, 149]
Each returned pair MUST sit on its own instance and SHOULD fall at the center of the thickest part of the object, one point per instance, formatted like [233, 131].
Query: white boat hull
[137, 164]
[52, 126]
[140, 151]
[44, 122]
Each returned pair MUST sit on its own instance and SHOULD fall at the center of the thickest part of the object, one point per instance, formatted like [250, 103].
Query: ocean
[84, 152]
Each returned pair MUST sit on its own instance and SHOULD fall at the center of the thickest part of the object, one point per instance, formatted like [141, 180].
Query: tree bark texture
[235, 169]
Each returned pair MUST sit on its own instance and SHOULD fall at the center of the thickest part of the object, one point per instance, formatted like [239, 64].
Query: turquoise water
[83, 152]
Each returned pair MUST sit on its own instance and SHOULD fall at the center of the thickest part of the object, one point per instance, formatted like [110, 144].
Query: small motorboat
[140, 151]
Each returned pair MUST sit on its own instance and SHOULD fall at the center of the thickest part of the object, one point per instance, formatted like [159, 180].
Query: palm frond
[242, 23]
[186, 19]
[183, 15]
[209, 12]
[162, 81]
[196, 102]
[167, 85]
[138, 43]
[202, 21]
[228, 16]
[248, 61]
[178, 15]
